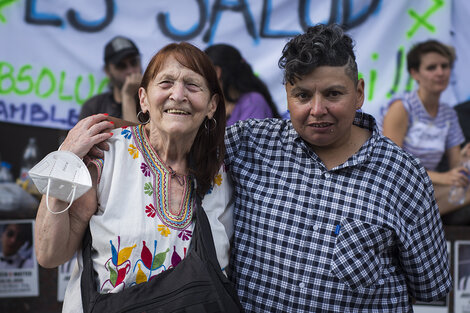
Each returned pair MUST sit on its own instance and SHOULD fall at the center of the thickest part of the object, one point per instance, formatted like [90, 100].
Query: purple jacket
[250, 105]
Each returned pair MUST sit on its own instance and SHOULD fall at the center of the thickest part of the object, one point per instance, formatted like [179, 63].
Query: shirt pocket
[356, 256]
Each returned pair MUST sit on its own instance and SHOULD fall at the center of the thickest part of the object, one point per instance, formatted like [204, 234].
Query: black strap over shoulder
[197, 284]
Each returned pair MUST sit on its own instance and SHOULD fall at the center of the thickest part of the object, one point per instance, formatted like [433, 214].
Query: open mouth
[320, 125]
[177, 112]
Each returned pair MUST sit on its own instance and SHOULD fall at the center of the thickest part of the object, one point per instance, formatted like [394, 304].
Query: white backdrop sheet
[51, 57]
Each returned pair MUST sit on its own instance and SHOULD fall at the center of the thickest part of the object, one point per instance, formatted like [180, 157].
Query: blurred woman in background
[426, 127]
[246, 95]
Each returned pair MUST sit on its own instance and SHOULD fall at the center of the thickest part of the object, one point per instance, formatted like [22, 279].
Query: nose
[178, 93]
[317, 106]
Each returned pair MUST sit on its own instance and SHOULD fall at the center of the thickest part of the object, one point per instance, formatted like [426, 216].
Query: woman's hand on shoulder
[86, 134]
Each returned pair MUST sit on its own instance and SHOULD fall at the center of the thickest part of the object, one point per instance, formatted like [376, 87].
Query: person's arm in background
[395, 124]
[129, 97]
[58, 236]
[455, 176]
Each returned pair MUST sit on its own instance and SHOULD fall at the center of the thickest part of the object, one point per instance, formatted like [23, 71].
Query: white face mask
[62, 175]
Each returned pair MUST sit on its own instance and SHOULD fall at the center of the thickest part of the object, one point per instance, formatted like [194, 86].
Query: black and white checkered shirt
[361, 237]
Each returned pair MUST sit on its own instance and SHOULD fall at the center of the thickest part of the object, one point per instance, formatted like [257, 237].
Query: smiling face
[322, 106]
[434, 72]
[178, 100]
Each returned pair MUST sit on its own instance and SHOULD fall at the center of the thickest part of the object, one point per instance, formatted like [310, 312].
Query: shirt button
[315, 227]
[327, 175]
[302, 285]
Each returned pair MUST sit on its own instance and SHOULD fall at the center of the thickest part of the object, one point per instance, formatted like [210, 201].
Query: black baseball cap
[118, 48]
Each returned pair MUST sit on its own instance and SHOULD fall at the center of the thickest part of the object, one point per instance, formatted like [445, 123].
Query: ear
[143, 99]
[415, 74]
[213, 103]
[218, 71]
[106, 70]
[360, 94]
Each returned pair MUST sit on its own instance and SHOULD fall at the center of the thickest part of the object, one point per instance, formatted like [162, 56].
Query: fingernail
[106, 114]
[111, 122]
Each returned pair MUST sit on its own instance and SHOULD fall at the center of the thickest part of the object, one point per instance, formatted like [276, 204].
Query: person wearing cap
[124, 70]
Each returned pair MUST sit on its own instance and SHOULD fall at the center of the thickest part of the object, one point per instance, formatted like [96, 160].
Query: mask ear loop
[47, 198]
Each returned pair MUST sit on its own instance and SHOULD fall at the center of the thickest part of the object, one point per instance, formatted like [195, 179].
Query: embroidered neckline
[161, 182]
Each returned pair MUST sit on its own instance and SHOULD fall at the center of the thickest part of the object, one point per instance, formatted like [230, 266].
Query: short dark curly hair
[320, 45]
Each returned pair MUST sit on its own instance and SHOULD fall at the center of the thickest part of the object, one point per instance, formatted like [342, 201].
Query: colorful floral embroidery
[118, 265]
[185, 235]
[133, 151]
[150, 261]
[218, 180]
[140, 277]
[164, 230]
[175, 257]
[150, 210]
[148, 190]
[145, 169]
[126, 133]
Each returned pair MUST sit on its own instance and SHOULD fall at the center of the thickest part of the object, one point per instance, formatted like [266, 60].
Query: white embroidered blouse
[135, 235]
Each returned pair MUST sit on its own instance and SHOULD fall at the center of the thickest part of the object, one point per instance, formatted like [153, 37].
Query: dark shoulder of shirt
[258, 132]
[101, 103]
[463, 113]
[278, 135]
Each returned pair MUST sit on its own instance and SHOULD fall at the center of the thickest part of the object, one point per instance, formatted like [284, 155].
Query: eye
[301, 95]
[333, 93]
[431, 67]
[194, 87]
[165, 84]
[134, 62]
[121, 66]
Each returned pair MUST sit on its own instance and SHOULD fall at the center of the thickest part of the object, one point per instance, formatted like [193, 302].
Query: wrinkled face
[323, 104]
[177, 100]
[434, 72]
[12, 240]
[118, 72]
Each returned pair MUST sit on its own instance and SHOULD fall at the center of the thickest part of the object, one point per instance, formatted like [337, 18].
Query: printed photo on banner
[18, 266]
[440, 306]
[462, 277]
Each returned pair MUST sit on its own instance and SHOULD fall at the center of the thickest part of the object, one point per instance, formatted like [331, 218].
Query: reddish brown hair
[208, 150]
